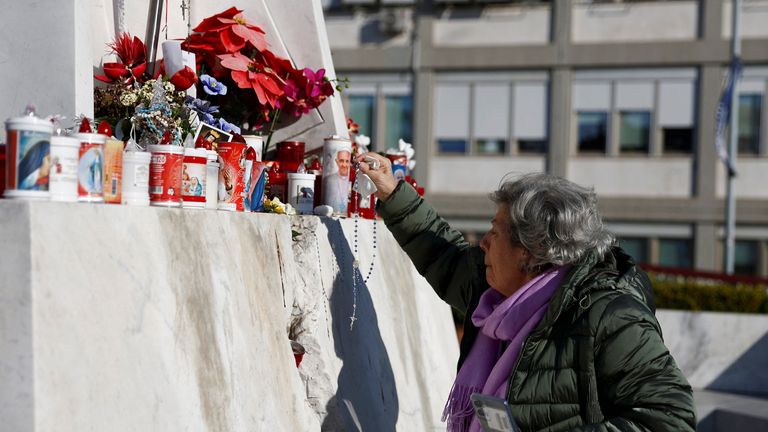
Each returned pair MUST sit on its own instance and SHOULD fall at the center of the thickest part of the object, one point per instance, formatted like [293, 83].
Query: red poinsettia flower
[248, 73]
[133, 60]
[228, 29]
[203, 43]
[131, 52]
[113, 72]
[184, 79]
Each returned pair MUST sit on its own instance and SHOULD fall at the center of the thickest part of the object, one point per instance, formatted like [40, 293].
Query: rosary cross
[184, 8]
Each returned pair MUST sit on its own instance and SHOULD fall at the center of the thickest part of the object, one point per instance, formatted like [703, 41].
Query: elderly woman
[560, 322]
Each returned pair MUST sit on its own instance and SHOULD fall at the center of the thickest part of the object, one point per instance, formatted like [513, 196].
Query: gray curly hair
[555, 220]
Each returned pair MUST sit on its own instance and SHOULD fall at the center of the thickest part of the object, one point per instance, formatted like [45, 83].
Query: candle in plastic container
[193, 178]
[301, 192]
[63, 177]
[136, 178]
[165, 175]
[28, 156]
[90, 171]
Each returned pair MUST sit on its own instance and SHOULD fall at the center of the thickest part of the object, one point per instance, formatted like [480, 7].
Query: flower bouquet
[152, 108]
[242, 86]
[249, 85]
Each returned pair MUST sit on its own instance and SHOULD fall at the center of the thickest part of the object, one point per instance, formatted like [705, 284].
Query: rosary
[356, 275]
[185, 7]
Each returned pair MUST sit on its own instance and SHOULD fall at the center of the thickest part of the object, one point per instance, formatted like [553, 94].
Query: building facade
[617, 95]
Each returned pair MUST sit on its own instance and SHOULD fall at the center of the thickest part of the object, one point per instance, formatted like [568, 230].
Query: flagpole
[730, 208]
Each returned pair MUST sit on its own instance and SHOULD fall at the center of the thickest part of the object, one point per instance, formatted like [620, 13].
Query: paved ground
[719, 411]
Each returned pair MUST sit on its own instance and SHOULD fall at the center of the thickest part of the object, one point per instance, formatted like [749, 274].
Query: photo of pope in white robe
[336, 184]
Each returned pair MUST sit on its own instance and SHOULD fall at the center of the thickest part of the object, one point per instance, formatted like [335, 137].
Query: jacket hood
[614, 271]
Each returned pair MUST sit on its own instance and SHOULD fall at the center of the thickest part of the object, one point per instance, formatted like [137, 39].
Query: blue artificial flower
[204, 109]
[228, 127]
[206, 118]
[212, 87]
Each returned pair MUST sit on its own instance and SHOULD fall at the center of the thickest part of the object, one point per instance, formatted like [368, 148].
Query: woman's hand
[382, 176]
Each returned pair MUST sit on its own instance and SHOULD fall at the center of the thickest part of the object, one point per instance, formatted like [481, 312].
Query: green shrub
[707, 295]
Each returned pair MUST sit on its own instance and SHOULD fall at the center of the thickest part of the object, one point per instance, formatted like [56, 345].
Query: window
[636, 247]
[634, 111]
[490, 118]
[382, 106]
[750, 108]
[593, 127]
[451, 117]
[635, 131]
[455, 146]
[678, 140]
[490, 146]
[745, 257]
[361, 111]
[676, 253]
[532, 146]
[529, 119]
[491, 113]
[399, 120]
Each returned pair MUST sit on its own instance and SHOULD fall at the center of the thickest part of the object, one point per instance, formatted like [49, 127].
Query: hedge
[699, 294]
[705, 295]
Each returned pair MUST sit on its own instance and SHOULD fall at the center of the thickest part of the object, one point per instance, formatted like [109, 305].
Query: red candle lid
[104, 128]
[85, 126]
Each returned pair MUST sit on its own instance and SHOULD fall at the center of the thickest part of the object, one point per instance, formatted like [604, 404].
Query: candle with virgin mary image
[28, 161]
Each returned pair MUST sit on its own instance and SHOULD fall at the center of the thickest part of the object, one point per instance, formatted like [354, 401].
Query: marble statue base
[127, 318]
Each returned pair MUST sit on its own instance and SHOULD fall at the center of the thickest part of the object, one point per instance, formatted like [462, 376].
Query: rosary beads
[356, 274]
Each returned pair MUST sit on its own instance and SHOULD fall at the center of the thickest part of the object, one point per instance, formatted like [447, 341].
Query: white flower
[407, 148]
[128, 98]
[362, 141]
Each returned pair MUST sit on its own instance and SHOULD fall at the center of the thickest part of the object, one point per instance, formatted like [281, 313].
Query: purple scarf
[500, 319]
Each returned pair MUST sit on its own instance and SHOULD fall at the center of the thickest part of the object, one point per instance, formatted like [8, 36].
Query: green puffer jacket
[596, 362]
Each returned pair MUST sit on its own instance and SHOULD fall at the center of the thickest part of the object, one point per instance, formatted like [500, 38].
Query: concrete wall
[477, 175]
[719, 351]
[751, 181]
[127, 318]
[357, 31]
[510, 25]
[634, 176]
[635, 22]
[754, 14]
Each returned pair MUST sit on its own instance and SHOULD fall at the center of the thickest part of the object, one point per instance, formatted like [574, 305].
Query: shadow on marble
[748, 374]
[366, 398]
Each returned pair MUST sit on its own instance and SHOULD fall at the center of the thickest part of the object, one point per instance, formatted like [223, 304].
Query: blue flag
[723, 115]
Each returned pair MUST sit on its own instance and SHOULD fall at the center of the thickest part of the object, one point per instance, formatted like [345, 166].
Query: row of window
[635, 128]
[491, 114]
[632, 112]
[678, 253]
[674, 252]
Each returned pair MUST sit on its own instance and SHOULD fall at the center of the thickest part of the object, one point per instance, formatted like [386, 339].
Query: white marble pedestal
[124, 319]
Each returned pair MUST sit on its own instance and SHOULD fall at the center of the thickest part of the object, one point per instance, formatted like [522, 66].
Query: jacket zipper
[587, 295]
[514, 369]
